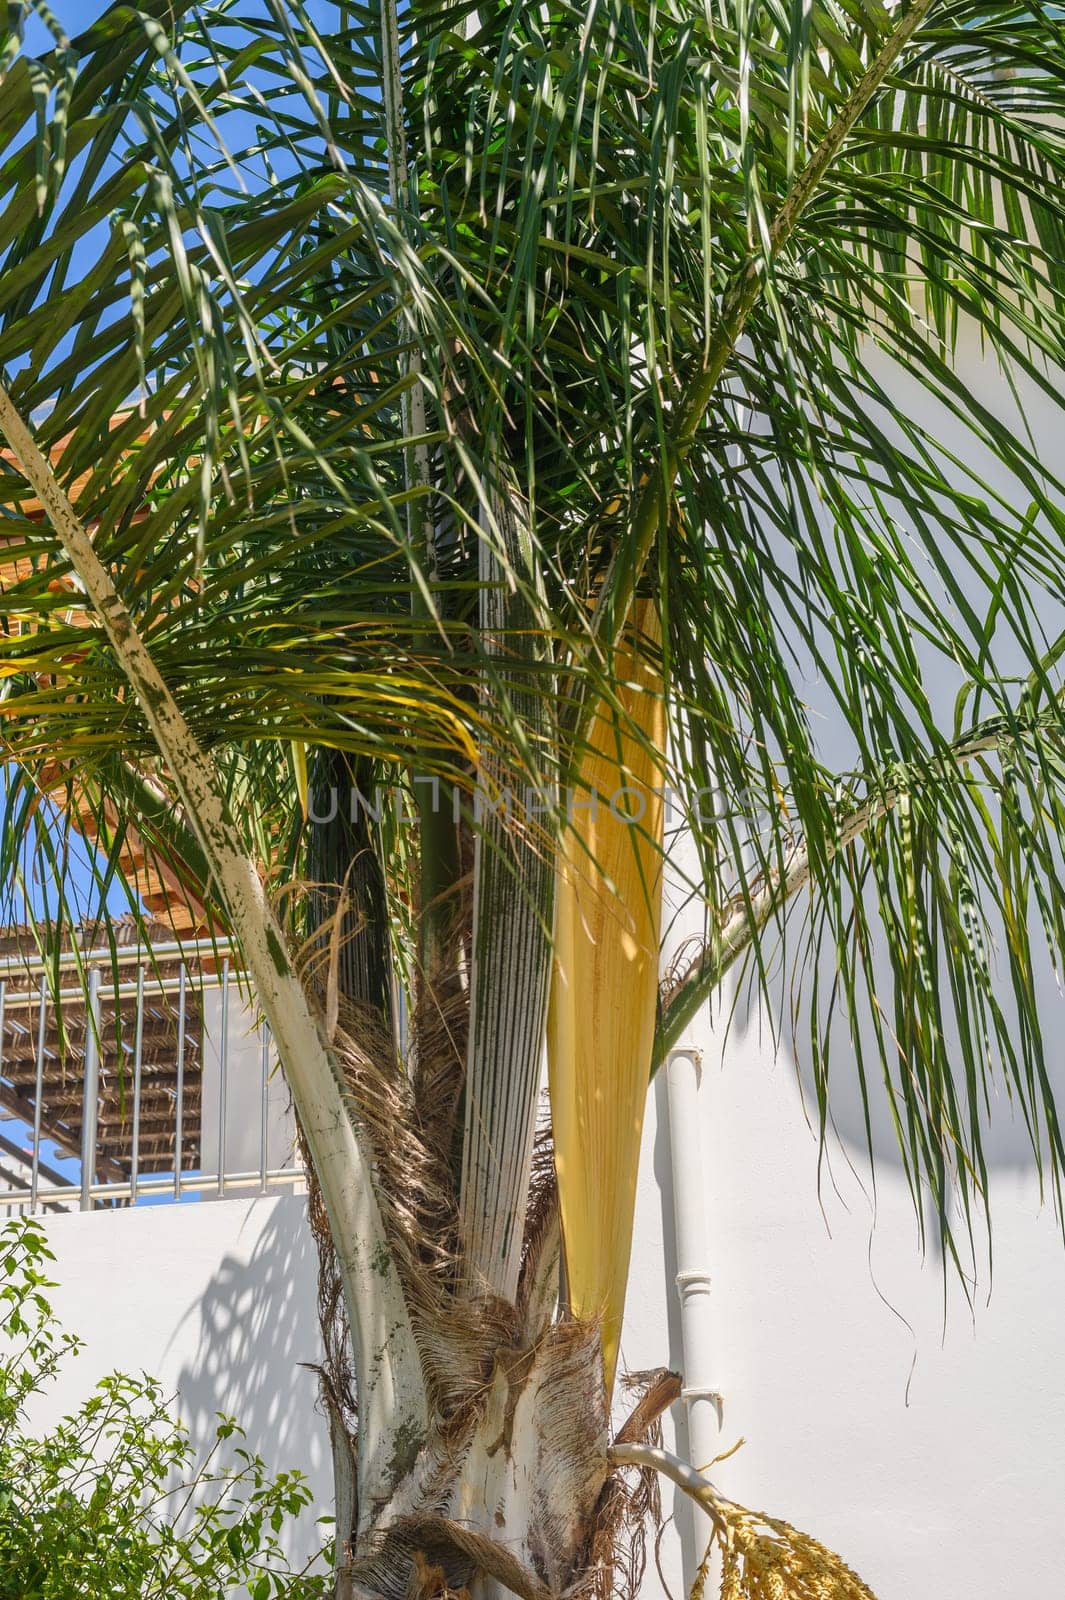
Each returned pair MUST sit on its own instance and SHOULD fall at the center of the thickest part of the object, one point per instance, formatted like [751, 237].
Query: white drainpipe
[685, 922]
[699, 1393]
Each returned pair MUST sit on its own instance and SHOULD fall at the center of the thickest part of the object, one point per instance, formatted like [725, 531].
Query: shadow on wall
[258, 1331]
[1005, 1139]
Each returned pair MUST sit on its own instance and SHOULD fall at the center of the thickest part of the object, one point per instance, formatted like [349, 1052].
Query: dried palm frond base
[615, 1554]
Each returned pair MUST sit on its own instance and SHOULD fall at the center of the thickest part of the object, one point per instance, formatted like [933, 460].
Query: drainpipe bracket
[715, 1396]
[689, 1275]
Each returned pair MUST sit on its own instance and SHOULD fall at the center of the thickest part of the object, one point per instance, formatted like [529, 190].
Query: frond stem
[671, 1466]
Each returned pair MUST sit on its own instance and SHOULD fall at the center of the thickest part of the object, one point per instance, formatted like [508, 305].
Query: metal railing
[163, 1047]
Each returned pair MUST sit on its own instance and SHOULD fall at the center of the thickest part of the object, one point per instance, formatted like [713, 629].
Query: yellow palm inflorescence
[765, 1558]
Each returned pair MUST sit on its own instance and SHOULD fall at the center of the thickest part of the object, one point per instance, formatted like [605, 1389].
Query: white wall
[216, 1299]
[925, 1442]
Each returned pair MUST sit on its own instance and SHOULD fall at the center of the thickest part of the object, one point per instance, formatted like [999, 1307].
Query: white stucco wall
[879, 1413]
[215, 1299]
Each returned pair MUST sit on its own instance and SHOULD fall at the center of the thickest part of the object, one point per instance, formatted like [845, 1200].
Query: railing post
[91, 1092]
[223, 1073]
[38, 1091]
[264, 1104]
[179, 1115]
[138, 1051]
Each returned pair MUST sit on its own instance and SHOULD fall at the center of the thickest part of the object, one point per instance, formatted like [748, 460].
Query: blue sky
[37, 896]
[76, 15]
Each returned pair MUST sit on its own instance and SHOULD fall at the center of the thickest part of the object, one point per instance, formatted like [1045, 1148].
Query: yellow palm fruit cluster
[764, 1558]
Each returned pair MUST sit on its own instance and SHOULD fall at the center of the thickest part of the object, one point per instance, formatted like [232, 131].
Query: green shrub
[110, 1504]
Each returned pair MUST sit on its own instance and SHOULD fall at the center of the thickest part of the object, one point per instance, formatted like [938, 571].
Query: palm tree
[477, 411]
